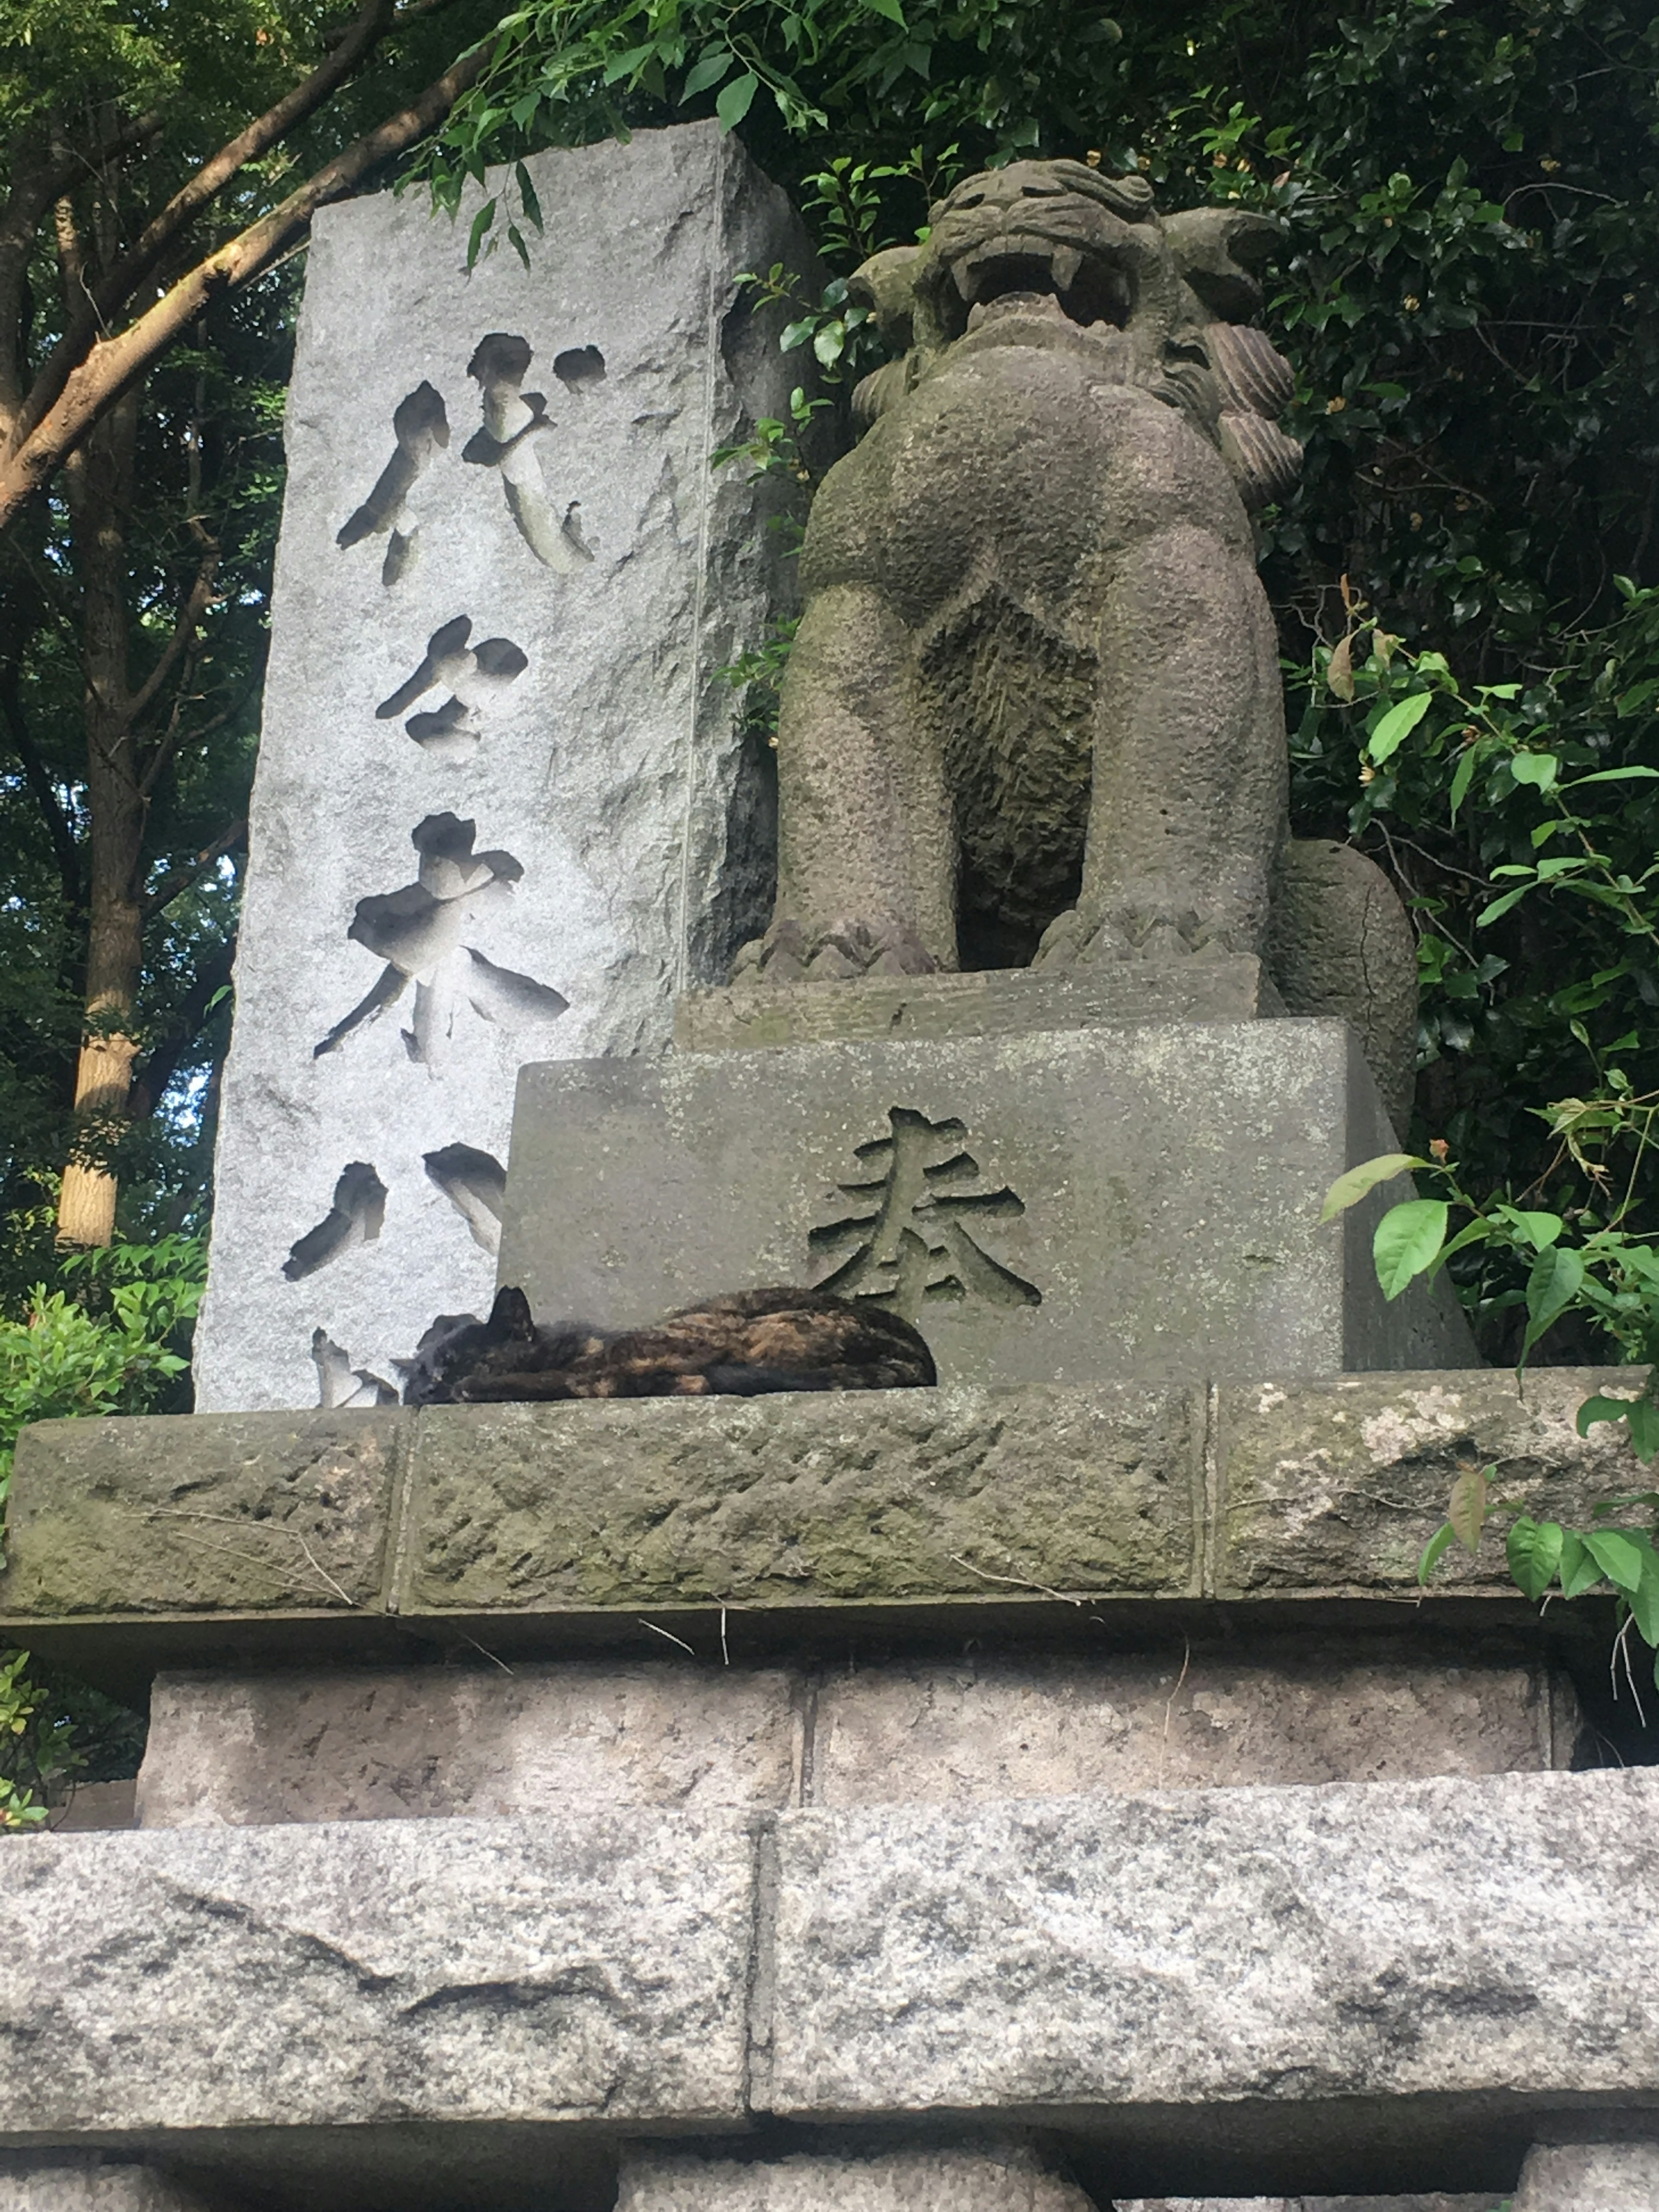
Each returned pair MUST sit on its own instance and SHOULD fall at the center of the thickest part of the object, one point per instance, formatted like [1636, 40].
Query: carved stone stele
[1033, 714]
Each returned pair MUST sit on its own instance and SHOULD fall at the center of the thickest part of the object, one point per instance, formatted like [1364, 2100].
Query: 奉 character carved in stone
[1033, 712]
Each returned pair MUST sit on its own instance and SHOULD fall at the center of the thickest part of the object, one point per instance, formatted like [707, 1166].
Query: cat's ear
[509, 1317]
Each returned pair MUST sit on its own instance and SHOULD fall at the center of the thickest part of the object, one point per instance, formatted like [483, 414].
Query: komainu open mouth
[1033, 276]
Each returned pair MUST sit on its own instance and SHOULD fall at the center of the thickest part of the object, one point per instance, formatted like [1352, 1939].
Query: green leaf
[1643, 1419]
[1348, 1190]
[1470, 1495]
[1467, 762]
[1612, 776]
[1601, 1408]
[709, 70]
[1556, 1278]
[1645, 1598]
[1618, 1555]
[1538, 1230]
[532, 206]
[1539, 770]
[1500, 907]
[1578, 1570]
[481, 223]
[1534, 1549]
[1397, 725]
[890, 9]
[1434, 1551]
[1407, 1240]
[734, 103]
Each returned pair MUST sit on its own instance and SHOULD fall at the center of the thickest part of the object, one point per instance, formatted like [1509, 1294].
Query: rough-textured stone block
[510, 651]
[858, 1497]
[1615, 2176]
[228, 1513]
[983, 1002]
[569, 1738]
[1054, 1207]
[1340, 1485]
[580, 1737]
[941, 1734]
[990, 2177]
[1282, 1949]
[338, 1975]
[89, 2181]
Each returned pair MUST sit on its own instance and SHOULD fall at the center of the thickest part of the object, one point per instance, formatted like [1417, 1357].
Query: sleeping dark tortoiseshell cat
[744, 1346]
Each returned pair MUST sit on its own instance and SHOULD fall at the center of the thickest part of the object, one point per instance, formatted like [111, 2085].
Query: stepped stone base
[988, 2177]
[786, 1524]
[1389, 1986]
[1590, 2177]
[588, 1737]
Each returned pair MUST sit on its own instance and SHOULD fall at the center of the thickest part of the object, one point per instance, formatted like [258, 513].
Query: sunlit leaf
[1618, 1555]
[1348, 1190]
[1556, 1278]
[1435, 1550]
[1466, 1510]
[1534, 1549]
[1408, 1237]
[1397, 725]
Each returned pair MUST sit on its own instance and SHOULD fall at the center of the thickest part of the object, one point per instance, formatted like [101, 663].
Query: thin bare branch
[179, 881]
[113, 366]
[117, 286]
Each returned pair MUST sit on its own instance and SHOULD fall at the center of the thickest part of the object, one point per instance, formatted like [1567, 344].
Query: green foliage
[112, 1338]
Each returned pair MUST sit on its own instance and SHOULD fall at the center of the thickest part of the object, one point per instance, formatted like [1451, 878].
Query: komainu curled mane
[1033, 711]
[748, 1345]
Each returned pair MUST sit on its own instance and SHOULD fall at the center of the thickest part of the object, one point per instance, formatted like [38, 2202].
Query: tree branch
[113, 365]
[37, 183]
[155, 1071]
[115, 287]
[174, 885]
[197, 600]
[59, 829]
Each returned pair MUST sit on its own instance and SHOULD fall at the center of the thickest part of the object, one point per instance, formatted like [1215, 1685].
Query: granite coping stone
[1280, 1989]
[344, 1531]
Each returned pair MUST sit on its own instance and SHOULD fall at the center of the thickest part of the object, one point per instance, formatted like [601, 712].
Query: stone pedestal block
[580, 1736]
[990, 2177]
[1056, 1206]
[1609, 2177]
[503, 810]
[90, 2181]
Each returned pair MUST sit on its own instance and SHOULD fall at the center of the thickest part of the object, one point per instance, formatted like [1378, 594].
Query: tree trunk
[99, 482]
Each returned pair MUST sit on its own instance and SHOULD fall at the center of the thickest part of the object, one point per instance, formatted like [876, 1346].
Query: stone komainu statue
[1033, 710]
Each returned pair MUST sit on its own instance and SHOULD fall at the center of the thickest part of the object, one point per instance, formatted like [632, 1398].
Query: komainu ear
[510, 1320]
[1219, 252]
[885, 284]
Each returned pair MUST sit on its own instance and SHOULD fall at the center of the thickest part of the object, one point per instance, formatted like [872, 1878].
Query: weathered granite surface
[1063, 1205]
[89, 2181]
[1611, 2176]
[572, 1737]
[509, 652]
[1289, 1984]
[1294, 1948]
[404, 1522]
[861, 1496]
[267, 1512]
[329, 1975]
[980, 1002]
[990, 2177]
[580, 1737]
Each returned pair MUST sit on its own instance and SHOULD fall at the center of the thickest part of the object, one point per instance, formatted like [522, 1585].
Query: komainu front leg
[1189, 761]
[866, 860]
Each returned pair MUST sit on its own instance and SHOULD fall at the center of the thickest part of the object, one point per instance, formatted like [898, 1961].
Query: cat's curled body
[746, 1345]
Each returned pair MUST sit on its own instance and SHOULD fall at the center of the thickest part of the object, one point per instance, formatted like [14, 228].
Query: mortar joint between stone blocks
[1212, 1534]
[400, 1519]
[762, 1994]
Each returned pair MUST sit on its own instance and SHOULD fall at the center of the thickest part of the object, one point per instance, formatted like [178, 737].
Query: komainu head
[1055, 253]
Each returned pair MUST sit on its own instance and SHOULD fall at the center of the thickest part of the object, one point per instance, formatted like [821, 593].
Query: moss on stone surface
[880, 1497]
